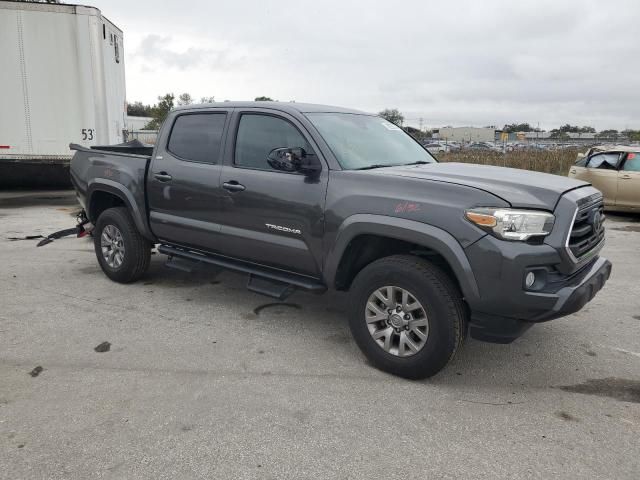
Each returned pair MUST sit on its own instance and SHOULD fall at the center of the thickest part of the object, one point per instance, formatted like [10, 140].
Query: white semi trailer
[61, 81]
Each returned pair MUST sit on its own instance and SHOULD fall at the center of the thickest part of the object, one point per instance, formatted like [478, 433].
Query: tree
[392, 115]
[569, 128]
[207, 99]
[160, 111]
[586, 130]
[185, 99]
[263, 99]
[518, 127]
[417, 133]
[611, 133]
[632, 135]
[559, 134]
[138, 109]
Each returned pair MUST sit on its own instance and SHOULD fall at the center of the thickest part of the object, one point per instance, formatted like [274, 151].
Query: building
[466, 134]
[133, 124]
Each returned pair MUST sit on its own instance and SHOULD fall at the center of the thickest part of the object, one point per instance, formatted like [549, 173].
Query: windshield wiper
[375, 165]
[379, 165]
[419, 162]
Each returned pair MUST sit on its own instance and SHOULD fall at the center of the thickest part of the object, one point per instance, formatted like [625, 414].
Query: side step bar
[278, 283]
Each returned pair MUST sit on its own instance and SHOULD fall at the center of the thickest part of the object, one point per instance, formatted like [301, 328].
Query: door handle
[573, 170]
[163, 176]
[233, 186]
[626, 177]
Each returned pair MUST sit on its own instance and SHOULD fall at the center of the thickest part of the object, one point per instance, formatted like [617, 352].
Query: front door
[272, 217]
[629, 182]
[184, 179]
[601, 171]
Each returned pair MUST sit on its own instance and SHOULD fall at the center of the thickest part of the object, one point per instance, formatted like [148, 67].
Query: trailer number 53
[87, 133]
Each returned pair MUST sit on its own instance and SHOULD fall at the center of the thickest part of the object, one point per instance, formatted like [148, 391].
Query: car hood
[520, 188]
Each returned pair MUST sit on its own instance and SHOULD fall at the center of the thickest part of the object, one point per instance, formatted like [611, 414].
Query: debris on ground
[103, 347]
[36, 371]
[28, 237]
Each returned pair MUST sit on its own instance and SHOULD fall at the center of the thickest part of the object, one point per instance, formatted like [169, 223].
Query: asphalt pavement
[183, 376]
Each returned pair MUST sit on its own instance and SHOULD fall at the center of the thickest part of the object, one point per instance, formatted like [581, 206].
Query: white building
[467, 134]
[133, 124]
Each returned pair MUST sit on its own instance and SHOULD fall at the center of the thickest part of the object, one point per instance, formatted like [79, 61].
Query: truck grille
[587, 232]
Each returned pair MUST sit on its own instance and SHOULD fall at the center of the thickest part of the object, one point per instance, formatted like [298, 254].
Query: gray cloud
[155, 50]
[456, 62]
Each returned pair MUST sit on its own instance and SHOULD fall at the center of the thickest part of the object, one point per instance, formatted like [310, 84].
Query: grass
[547, 161]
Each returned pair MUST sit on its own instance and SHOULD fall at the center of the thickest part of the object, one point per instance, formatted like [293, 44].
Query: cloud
[159, 51]
[458, 62]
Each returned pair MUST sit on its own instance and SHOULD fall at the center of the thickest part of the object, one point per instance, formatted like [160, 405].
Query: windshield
[365, 141]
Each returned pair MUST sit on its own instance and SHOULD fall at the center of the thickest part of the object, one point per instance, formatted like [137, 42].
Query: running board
[271, 288]
[177, 263]
[257, 275]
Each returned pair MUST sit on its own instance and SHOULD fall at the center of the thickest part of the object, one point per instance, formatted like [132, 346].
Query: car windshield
[367, 141]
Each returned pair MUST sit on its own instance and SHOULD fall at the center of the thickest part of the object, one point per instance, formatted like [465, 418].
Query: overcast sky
[450, 62]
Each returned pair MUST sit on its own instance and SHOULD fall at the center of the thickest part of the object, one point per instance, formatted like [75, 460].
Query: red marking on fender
[5, 146]
[407, 207]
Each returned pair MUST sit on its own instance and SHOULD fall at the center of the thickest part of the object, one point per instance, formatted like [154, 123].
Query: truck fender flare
[419, 233]
[118, 190]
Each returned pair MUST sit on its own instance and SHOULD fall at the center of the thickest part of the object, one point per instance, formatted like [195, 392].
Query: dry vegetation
[548, 161]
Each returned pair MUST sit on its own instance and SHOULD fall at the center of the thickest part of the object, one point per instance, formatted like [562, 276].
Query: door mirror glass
[293, 160]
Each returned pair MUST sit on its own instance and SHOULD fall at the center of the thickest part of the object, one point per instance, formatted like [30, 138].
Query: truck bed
[113, 169]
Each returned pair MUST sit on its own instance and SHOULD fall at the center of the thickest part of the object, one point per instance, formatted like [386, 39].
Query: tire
[135, 249]
[442, 310]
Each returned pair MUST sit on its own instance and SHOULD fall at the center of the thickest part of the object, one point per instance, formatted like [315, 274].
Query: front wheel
[122, 252]
[407, 316]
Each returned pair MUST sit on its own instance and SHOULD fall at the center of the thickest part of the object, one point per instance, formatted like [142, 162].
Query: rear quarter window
[197, 137]
[632, 163]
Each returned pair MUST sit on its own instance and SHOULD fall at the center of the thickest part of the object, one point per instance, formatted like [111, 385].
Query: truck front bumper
[506, 308]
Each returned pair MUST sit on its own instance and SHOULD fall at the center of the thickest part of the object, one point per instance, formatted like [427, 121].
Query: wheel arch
[363, 238]
[103, 194]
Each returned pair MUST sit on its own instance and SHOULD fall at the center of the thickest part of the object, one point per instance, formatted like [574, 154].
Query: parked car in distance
[321, 198]
[615, 171]
[435, 147]
[484, 146]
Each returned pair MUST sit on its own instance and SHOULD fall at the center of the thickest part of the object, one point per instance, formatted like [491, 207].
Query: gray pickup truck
[315, 198]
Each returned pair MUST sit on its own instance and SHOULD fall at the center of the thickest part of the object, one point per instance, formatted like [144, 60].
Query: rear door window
[632, 163]
[605, 161]
[197, 137]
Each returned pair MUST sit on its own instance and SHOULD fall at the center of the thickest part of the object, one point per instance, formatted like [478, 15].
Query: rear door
[629, 182]
[601, 170]
[183, 182]
[272, 217]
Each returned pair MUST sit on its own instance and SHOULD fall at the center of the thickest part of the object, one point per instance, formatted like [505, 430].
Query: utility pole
[421, 122]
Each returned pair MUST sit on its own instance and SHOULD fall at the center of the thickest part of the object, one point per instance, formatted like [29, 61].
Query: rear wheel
[407, 316]
[122, 252]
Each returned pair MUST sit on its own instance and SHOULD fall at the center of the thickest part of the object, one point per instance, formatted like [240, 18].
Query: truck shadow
[539, 359]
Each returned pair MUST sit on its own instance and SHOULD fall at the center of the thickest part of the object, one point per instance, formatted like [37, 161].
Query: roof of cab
[616, 148]
[280, 106]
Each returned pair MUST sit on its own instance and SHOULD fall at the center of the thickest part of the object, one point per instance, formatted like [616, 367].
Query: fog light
[530, 279]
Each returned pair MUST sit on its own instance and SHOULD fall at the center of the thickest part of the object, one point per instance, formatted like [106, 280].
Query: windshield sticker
[390, 126]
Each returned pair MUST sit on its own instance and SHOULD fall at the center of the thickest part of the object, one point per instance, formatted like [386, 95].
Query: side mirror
[293, 160]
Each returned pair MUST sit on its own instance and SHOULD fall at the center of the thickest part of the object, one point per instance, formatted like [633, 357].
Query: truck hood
[520, 188]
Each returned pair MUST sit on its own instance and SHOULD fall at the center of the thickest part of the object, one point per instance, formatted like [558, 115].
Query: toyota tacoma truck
[321, 198]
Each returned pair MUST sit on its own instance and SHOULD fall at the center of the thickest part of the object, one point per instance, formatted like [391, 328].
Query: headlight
[511, 224]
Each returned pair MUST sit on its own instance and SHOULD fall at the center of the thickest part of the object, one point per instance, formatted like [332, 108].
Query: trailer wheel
[122, 252]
